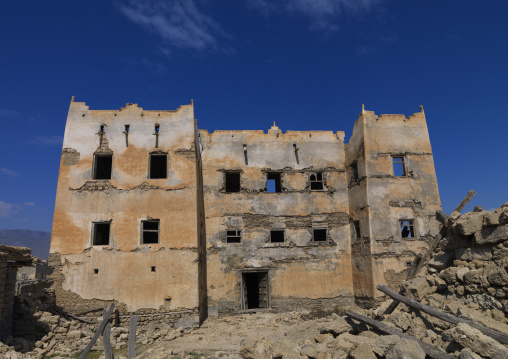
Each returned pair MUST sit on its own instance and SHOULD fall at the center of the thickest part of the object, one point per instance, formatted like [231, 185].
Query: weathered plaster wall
[387, 198]
[298, 268]
[130, 196]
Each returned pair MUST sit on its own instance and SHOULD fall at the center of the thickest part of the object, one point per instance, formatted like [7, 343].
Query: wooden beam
[98, 332]
[469, 197]
[430, 350]
[441, 216]
[132, 337]
[500, 337]
[106, 340]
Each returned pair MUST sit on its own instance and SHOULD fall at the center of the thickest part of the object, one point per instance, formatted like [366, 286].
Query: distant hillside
[35, 240]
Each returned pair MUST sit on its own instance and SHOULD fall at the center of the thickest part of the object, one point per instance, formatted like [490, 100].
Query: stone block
[469, 254]
[418, 288]
[475, 340]
[442, 260]
[491, 219]
[406, 349]
[337, 327]
[492, 235]
[498, 277]
[469, 223]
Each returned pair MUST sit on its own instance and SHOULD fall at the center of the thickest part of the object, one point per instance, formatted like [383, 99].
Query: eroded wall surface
[301, 271]
[162, 275]
[380, 197]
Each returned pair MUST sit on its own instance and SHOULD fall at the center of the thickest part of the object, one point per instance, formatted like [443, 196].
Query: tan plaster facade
[195, 263]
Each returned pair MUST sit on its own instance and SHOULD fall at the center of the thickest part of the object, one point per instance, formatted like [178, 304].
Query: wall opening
[103, 165]
[319, 235]
[150, 231]
[407, 228]
[399, 167]
[158, 166]
[273, 183]
[316, 181]
[232, 181]
[357, 229]
[101, 233]
[153, 268]
[277, 236]
[354, 170]
[233, 236]
[255, 290]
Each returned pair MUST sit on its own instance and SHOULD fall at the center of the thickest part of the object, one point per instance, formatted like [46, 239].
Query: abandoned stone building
[154, 213]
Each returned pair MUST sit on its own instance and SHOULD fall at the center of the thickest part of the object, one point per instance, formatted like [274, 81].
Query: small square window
[153, 268]
[150, 231]
[102, 167]
[101, 233]
[273, 184]
[96, 271]
[407, 228]
[399, 167]
[234, 236]
[232, 181]
[277, 236]
[357, 229]
[319, 235]
[158, 166]
[316, 181]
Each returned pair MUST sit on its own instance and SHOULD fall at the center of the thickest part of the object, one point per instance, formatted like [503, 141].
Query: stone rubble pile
[466, 277]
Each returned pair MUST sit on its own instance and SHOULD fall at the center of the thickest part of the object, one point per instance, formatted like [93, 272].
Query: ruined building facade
[154, 213]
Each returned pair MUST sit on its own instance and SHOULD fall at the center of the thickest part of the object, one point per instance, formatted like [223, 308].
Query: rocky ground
[467, 277]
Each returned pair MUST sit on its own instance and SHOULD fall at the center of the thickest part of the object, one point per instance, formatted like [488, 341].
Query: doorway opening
[255, 293]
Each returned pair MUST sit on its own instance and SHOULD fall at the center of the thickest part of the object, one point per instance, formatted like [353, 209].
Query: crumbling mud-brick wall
[293, 183]
[10, 259]
[125, 226]
[393, 196]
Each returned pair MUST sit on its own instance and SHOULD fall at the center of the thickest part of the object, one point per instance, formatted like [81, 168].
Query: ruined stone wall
[381, 197]
[301, 271]
[10, 259]
[162, 275]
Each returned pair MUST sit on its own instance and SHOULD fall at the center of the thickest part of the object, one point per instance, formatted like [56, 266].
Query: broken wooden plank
[132, 337]
[98, 332]
[441, 216]
[430, 350]
[106, 340]
[469, 197]
[500, 337]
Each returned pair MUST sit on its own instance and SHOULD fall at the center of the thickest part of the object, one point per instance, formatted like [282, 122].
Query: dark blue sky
[306, 64]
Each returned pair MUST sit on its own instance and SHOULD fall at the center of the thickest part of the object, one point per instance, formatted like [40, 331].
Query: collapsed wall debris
[455, 306]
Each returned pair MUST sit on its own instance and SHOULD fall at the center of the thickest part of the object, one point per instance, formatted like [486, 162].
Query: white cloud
[323, 14]
[7, 209]
[154, 67]
[29, 204]
[8, 172]
[8, 113]
[47, 140]
[179, 22]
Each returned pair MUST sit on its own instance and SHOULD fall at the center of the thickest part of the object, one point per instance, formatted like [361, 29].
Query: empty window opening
[232, 182]
[158, 166]
[354, 170]
[273, 183]
[316, 181]
[245, 154]
[153, 268]
[277, 236]
[255, 290]
[102, 167]
[150, 231]
[357, 229]
[233, 236]
[101, 233]
[102, 129]
[399, 168]
[319, 235]
[407, 228]
[96, 271]
[126, 132]
[157, 128]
